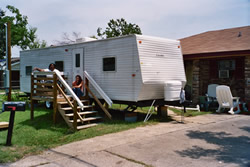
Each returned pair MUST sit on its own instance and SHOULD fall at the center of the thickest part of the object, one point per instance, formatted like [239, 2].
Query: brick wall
[202, 78]
[196, 79]
[247, 79]
[237, 85]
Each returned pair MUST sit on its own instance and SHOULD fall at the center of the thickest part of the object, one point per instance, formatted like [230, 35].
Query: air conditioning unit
[223, 73]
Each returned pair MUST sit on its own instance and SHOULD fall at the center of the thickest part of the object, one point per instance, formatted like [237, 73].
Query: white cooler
[172, 90]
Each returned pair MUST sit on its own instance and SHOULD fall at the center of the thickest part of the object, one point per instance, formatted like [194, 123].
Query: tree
[70, 39]
[118, 27]
[21, 35]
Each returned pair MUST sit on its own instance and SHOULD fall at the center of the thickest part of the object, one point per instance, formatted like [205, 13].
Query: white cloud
[166, 18]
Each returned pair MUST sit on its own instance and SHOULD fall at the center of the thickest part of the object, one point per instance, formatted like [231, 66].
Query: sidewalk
[108, 150]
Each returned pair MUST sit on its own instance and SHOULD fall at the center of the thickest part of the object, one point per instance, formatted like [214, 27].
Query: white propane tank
[172, 90]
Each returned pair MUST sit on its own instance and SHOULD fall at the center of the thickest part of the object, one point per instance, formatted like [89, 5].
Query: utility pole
[8, 58]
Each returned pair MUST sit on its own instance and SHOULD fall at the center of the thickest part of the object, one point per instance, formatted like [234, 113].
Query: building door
[78, 62]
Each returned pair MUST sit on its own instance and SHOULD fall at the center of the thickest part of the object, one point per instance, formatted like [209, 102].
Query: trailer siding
[143, 65]
[160, 60]
[42, 58]
[118, 84]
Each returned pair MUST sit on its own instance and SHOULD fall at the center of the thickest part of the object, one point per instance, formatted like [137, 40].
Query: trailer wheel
[48, 104]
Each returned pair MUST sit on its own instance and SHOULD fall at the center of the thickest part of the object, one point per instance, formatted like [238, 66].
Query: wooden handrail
[73, 106]
[31, 98]
[75, 115]
[53, 89]
[98, 102]
[98, 88]
[43, 84]
[65, 96]
[55, 97]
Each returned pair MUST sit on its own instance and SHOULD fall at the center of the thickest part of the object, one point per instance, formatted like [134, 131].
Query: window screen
[28, 70]
[59, 65]
[77, 59]
[109, 64]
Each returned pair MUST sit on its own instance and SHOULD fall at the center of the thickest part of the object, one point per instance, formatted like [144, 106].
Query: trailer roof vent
[85, 39]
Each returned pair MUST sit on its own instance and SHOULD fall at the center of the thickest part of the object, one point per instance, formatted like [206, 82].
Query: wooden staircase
[90, 117]
[78, 114]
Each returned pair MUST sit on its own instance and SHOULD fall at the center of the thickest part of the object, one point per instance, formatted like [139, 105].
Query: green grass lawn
[33, 136]
[190, 113]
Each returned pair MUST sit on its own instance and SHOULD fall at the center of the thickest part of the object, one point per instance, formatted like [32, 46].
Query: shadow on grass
[231, 149]
[44, 120]
[118, 117]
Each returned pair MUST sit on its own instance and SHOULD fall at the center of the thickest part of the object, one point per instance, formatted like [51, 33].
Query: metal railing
[88, 79]
[98, 89]
[69, 90]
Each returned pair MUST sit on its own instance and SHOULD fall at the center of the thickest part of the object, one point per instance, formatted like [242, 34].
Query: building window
[109, 64]
[77, 59]
[226, 65]
[227, 68]
[59, 65]
[28, 70]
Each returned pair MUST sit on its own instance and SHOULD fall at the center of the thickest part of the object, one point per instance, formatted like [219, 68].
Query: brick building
[218, 57]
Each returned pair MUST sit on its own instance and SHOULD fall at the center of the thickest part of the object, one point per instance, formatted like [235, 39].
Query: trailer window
[77, 59]
[59, 65]
[28, 70]
[109, 64]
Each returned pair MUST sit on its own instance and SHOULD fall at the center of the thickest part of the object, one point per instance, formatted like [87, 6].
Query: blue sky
[164, 18]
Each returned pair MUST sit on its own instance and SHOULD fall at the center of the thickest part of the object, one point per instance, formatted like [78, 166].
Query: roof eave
[211, 55]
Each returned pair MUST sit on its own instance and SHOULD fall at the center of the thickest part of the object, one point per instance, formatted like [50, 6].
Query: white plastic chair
[226, 100]
[211, 92]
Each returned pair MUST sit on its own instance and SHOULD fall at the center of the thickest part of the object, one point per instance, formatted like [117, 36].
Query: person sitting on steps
[77, 86]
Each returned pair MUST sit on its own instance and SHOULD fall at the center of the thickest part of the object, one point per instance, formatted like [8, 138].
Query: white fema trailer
[133, 69]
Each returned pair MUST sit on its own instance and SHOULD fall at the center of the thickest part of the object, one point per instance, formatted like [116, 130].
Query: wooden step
[81, 113]
[87, 126]
[86, 119]
[64, 102]
[69, 108]
[4, 125]
[42, 98]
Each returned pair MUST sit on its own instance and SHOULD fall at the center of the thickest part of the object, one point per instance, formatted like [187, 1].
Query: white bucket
[172, 90]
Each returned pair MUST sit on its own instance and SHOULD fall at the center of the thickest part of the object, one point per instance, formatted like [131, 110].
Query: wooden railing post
[54, 97]
[75, 115]
[31, 98]
[86, 86]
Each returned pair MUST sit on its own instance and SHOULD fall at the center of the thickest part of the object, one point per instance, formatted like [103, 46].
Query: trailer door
[78, 62]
